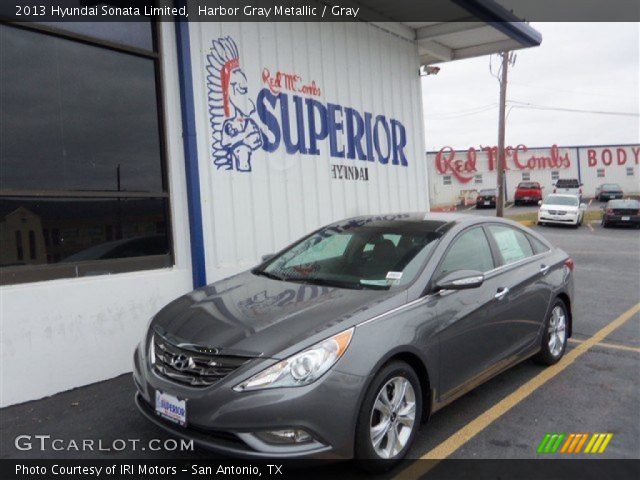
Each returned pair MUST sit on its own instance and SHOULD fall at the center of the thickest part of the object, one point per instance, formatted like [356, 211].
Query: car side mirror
[268, 256]
[460, 280]
[539, 202]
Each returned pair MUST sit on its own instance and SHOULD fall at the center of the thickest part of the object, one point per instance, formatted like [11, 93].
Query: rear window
[611, 187]
[488, 191]
[529, 185]
[568, 183]
[623, 204]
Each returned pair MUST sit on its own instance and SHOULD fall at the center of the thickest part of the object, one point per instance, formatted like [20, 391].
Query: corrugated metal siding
[285, 196]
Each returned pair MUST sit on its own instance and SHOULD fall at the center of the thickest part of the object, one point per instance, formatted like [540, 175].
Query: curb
[527, 223]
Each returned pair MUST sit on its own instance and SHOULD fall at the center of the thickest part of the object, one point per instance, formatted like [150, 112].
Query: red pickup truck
[527, 192]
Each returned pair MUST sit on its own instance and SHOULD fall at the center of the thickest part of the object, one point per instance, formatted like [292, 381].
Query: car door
[468, 337]
[522, 275]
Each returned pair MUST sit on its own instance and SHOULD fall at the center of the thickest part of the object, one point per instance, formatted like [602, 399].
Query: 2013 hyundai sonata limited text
[343, 343]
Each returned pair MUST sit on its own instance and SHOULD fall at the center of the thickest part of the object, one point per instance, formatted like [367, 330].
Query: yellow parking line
[590, 227]
[471, 429]
[617, 346]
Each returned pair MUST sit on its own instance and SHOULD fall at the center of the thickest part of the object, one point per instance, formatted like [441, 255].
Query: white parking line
[508, 206]
[471, 207]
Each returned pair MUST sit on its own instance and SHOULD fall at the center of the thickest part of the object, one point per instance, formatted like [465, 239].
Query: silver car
[344, 343]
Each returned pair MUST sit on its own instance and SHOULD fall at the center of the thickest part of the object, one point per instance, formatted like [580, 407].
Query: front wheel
[554, 339]
[389, 417]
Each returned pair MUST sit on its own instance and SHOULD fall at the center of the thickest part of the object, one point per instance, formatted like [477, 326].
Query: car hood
[256, 316]
[566, 208]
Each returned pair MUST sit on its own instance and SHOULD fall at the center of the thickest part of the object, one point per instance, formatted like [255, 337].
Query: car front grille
[190, 367]
[557, 212]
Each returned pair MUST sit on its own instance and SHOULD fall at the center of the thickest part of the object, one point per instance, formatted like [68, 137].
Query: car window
[512, 244]
[538, 246]
[470, 251]
[331, 247]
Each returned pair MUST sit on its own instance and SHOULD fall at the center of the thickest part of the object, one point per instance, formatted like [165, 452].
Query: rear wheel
[389, 417]
[554, 339]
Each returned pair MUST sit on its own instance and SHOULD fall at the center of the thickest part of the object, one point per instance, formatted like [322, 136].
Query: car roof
[447, 219]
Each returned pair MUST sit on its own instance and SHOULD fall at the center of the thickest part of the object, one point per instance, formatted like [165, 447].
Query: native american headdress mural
[234, 134]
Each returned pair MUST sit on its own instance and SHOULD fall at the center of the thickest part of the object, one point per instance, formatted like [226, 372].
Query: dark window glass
[81, 228]
[130, 34]
[470, 251]
[32, 244]
[512, 243]
[19, 251]
[76, 116]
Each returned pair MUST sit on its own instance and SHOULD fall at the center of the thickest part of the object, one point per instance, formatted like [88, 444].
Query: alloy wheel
[557, 330]
[393, 417]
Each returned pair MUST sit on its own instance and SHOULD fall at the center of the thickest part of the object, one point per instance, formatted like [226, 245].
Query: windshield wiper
[325, 282]
[264, 273]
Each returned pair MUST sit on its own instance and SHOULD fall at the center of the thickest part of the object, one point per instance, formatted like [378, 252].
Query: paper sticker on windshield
[394, 275]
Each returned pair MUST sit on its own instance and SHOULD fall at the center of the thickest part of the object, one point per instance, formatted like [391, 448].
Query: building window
[526, 176]
[555, 175]
[630, 171]
[600, 172]
[478, 179]
[82, 152]
[446, 180]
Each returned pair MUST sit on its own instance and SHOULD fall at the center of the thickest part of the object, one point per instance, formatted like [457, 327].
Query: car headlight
[302, 368]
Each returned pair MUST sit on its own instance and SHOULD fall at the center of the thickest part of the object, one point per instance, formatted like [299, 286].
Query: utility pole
[501, 126]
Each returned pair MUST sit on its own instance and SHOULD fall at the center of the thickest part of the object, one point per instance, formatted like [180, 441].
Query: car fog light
[287, 436]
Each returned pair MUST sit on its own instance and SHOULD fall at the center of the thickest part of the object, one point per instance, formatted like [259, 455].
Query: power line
[534, 106]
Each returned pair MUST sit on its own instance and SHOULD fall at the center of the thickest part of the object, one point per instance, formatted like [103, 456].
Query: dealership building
[141, 160]
[456, 176]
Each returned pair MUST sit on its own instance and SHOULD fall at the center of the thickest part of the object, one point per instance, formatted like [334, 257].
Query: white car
[561, 209]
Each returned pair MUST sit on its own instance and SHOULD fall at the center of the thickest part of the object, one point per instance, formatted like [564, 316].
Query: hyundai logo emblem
[182, 362]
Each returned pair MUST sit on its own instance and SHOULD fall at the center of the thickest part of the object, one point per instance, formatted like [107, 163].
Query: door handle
[502, 292]
[544, 269]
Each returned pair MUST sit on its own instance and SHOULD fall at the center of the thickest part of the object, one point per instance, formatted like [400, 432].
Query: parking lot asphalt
[504, 418]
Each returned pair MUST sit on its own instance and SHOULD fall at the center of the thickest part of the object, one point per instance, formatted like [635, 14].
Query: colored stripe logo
[574, 443]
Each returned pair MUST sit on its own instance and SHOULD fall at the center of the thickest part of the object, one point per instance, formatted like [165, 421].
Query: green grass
[533, 216]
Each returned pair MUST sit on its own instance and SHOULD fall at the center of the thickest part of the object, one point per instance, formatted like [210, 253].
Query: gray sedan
[344, 343]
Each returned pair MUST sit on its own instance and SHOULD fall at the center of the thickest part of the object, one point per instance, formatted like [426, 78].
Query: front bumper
[224, 421]
[566, 219]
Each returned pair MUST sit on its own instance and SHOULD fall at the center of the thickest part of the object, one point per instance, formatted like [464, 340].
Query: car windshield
[623, 204]
[359, 254]
[562, 200]
[611, 186]
[488, 191]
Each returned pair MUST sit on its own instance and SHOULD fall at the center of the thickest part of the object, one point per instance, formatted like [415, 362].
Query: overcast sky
[584, 66]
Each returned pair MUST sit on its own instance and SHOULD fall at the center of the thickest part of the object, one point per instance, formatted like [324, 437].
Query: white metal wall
[613, 164]
[61, 334]
[619, 164]
[248, 214]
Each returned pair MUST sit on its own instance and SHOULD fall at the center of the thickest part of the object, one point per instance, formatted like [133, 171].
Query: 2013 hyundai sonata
[340, 345]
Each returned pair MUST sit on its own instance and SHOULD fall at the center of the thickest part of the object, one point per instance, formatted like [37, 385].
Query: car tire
[376, 458]
[555, 328]
[605, 224]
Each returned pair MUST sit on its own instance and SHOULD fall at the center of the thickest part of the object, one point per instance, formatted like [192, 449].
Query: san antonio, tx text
[141, 469]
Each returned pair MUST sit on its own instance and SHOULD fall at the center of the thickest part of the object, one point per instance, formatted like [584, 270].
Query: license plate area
[171, 408]
[626, 219]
